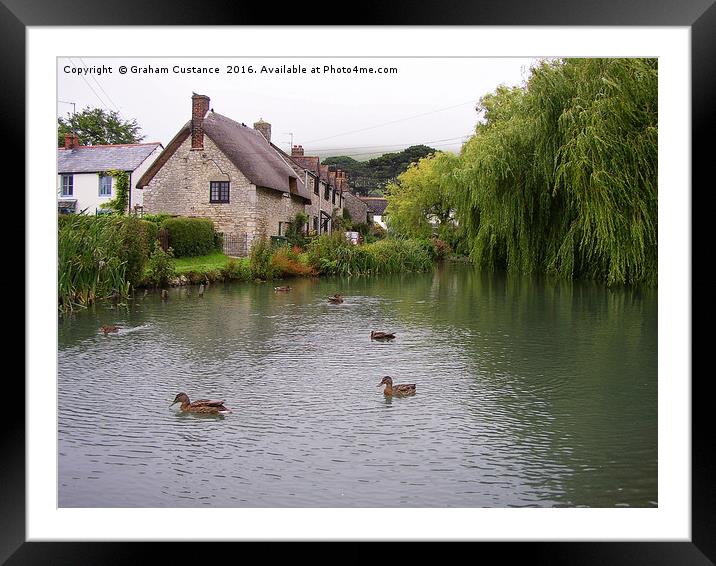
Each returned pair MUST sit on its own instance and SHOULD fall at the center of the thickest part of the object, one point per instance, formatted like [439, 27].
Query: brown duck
[284, 289]
[200, 406]
[381, 335]
[107, 328]
[336, 299]
[400, 390]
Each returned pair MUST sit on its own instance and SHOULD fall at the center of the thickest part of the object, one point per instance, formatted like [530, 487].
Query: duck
[400, 390]
[165, 294]
[205, 406]
[201, 290]
[285, 288]
[337, 299]
[107, 328]
[381, 335]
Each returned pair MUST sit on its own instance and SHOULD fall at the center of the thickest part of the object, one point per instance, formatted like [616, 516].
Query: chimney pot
[297, 151]
[199, 108]
[72, 141]
[264, 128]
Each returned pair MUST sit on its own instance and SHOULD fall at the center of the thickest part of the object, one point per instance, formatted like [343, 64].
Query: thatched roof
[247, 148]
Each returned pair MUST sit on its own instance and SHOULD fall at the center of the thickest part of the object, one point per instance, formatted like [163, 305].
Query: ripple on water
[513, 408]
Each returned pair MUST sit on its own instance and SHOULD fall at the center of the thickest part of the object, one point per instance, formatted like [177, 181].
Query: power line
[100, 86]
[374, 152]
[393, 121]
[91, 87]
[389, 145]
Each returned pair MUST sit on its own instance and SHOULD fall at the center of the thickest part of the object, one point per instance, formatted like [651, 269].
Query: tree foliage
[421, 201]
[120, 202]
[95, 126]
[560, 176]
[371, 177]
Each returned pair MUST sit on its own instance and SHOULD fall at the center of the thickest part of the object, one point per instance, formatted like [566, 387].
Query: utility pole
[72, 103]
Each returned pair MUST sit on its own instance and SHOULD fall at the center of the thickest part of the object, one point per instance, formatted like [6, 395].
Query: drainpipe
[129, 206]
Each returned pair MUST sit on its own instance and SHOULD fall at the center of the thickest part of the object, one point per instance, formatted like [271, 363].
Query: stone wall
[181, 187]
[273, 207]
[356, 207]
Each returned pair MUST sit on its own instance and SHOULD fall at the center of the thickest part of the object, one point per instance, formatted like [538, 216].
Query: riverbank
[327, 255]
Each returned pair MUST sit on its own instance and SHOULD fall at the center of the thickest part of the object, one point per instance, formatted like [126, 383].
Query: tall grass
[334, 255]
[99, 257]
[89, 261]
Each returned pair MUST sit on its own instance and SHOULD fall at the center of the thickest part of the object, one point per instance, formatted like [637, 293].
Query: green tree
[561, 174]
[420, 201]
[371, 177]
[95, 126]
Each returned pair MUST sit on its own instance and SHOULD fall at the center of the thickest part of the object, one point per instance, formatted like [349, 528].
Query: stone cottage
[331, 190]
[217, 168]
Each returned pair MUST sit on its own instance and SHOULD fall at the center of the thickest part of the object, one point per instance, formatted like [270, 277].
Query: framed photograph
[558, 420]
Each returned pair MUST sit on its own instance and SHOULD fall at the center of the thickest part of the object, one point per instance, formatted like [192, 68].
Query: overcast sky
[429, 101]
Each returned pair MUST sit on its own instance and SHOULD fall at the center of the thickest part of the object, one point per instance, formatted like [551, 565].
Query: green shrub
[157, 219]
[219, 241]
[296, 231]
[236, 270]
[137, 240]
[260, 259]
[161, 266]
[190, 236]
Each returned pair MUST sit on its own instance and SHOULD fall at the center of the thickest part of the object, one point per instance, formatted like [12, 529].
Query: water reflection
[530, 392]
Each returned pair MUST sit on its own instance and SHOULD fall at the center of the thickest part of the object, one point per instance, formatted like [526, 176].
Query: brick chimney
[264, 128]
[72, 141]
[199, 108]
[297, 151]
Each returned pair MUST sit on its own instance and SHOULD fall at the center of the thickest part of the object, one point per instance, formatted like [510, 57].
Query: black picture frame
[699, 15]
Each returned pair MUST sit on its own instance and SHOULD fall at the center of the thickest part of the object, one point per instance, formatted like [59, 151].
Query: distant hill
[370, 177]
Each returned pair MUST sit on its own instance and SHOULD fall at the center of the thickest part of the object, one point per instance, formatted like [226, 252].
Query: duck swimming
[336, 299]
[285, 289]
[381, 335]
[400, 390]
[200, 406]
[107, 328]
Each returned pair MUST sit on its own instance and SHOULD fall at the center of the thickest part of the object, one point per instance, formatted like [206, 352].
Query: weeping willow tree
[561, 174]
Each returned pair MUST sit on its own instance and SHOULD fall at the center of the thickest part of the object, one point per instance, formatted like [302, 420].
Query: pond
[530, 393]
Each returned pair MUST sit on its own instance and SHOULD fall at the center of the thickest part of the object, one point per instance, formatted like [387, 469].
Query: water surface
[530, 392]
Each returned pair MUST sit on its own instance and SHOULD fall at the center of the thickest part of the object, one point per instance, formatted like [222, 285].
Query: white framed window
[67, 185]
[105, 186]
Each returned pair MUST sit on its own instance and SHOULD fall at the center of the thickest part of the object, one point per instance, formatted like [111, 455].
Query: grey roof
[251, 152]
[95, 158]
[376, 205]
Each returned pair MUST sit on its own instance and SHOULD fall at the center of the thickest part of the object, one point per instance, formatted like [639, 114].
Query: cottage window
[67, 185]
[334, 197]
[105, 186]
[327, 192]
[314, 184]
[219, 191]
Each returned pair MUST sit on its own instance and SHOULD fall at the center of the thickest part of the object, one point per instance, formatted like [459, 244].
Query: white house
[376, 209]
[83, 185]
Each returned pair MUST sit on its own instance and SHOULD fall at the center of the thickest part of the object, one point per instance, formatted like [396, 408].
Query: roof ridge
[112, 145]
